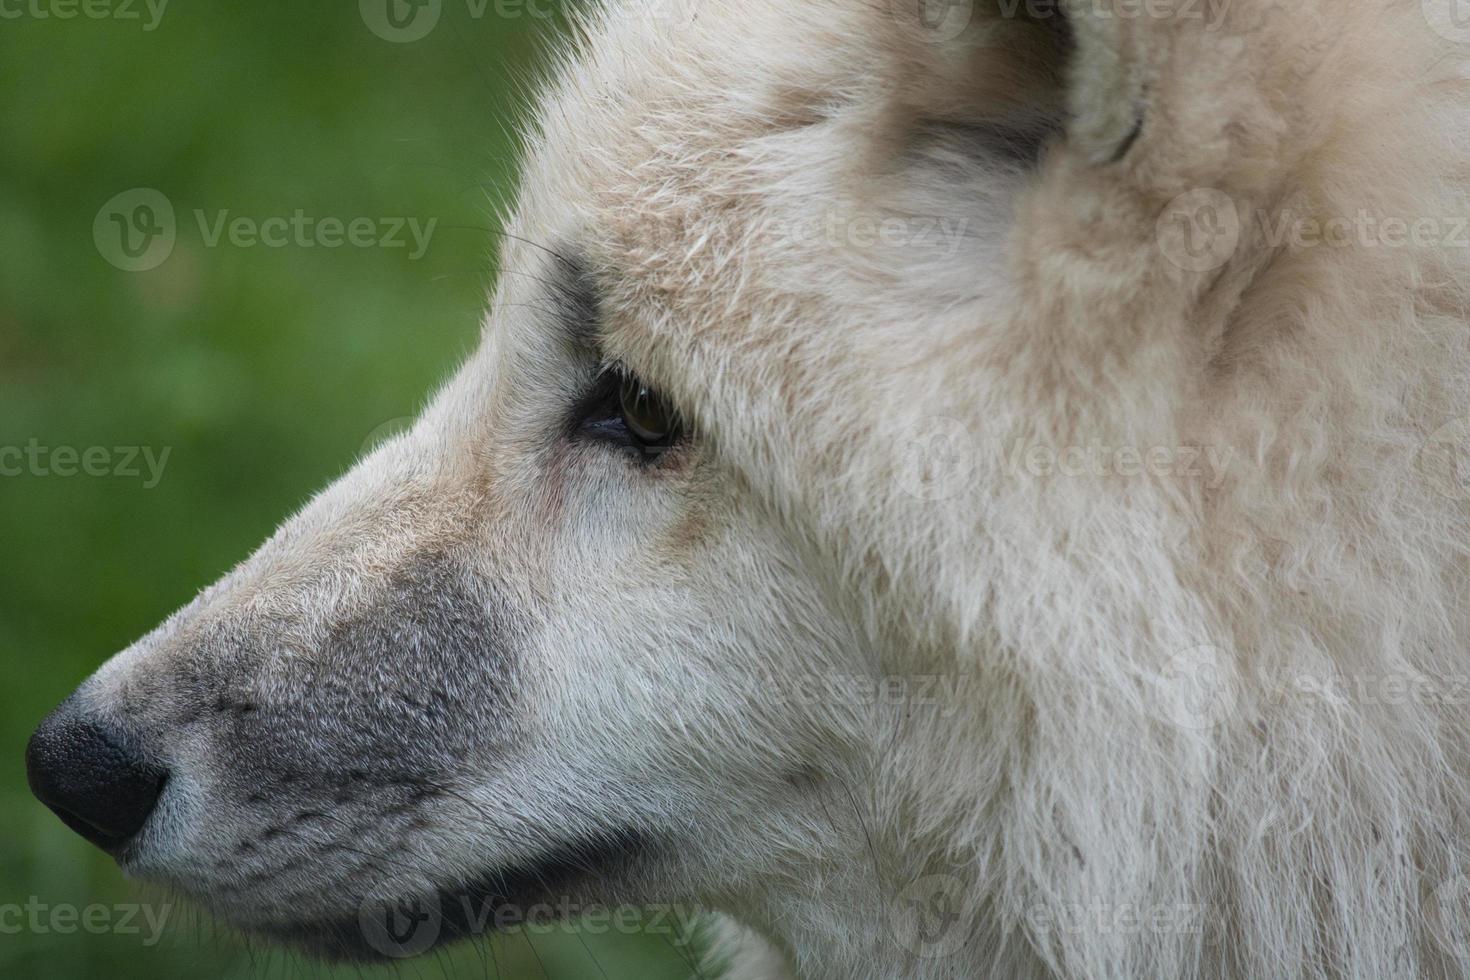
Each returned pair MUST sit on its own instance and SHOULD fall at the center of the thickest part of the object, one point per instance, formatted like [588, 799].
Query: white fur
[1296, 835]
[1149, 725]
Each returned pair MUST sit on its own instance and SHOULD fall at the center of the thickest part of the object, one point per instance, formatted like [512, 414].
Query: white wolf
[962, 491]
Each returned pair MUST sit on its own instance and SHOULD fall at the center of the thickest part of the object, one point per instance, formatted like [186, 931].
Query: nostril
[92, 779]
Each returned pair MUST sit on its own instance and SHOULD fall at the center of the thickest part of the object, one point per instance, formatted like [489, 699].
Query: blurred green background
[261, 368]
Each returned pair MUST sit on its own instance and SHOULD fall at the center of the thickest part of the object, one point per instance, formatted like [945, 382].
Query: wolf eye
[648, 417]
[623, 411]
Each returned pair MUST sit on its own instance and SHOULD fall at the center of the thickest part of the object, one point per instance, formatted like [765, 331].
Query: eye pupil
[646, 414]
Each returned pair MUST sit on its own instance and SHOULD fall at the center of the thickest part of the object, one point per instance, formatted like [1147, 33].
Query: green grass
[262, 370]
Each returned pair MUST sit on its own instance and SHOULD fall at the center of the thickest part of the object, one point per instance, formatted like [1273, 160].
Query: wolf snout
[93, 777]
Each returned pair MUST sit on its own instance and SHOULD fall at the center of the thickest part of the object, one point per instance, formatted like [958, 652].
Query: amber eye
[647, 416]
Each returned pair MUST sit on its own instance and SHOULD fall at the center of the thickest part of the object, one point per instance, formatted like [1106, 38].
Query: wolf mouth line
[398, 927]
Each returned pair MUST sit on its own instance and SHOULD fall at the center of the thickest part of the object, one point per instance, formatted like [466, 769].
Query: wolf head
[724, 572]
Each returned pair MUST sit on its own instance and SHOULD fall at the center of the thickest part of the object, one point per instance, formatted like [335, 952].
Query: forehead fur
[723, 167]
[677, 135]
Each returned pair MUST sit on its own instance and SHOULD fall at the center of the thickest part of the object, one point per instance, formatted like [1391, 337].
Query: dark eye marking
[574, 300]
[619, 409]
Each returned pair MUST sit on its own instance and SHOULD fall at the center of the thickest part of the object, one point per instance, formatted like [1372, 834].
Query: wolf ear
[1189, 93]
[1175, 80]
[1179, 90]
[1105, 79]
[1067, 55]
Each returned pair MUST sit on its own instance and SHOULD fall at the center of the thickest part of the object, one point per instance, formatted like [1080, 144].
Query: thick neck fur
[1209, 711]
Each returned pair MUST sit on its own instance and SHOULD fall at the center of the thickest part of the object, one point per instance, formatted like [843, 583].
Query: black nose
[94, 780]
